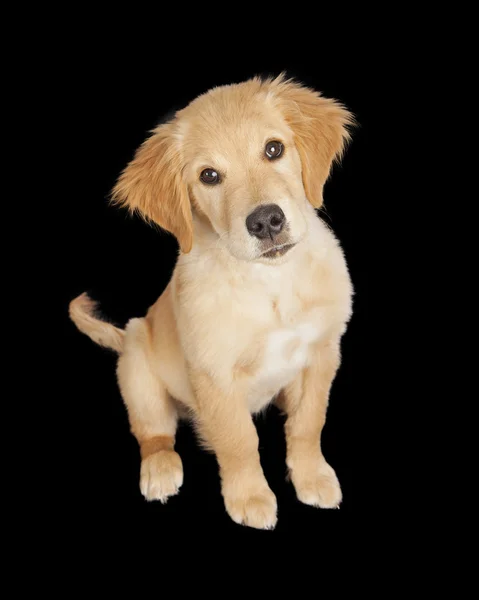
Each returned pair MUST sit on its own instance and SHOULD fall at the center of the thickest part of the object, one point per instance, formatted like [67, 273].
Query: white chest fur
[287, 351]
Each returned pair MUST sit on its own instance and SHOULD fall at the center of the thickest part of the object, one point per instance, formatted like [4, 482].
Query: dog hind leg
[152, 415]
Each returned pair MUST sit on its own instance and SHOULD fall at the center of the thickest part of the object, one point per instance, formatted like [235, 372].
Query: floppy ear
[152, 185]
[320, 127]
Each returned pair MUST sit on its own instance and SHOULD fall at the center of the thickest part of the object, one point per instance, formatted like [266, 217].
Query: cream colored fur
[234, 331]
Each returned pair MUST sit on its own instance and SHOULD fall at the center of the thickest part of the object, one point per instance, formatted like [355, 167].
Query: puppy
[259, 299]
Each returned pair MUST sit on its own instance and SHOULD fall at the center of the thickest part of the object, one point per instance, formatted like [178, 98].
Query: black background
[103, 107]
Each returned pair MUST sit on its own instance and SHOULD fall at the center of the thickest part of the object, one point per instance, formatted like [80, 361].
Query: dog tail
[82, 312]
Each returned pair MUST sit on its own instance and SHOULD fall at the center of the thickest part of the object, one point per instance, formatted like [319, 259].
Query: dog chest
[287, 351]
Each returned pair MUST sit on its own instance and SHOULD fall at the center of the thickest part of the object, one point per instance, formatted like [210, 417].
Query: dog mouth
[277, 251]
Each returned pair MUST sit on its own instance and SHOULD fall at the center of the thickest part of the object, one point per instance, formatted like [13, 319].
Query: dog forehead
[229, 124]
[228, 140]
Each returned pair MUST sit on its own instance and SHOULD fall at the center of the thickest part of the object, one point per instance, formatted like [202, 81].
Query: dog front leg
[226, 426]
[305, 402]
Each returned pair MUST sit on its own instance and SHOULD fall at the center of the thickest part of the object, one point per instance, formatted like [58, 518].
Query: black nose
[265, 221]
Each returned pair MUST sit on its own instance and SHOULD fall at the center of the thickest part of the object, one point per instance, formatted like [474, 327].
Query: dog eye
[274, 150]
[209, 176]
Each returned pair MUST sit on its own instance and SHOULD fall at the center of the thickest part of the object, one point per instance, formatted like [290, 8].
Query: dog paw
[320, 488]
[256, 510]
[161, 475]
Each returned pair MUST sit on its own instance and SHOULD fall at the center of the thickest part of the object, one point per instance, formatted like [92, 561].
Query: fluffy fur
[235, 330]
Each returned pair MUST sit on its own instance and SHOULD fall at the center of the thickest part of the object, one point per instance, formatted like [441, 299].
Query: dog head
[245, 159]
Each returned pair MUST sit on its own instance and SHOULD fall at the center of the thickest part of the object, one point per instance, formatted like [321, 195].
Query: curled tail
[82, 313]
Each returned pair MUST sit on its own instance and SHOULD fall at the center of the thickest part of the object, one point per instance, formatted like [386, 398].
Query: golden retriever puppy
[259, 298]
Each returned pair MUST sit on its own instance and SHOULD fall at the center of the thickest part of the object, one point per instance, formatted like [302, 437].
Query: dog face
[244, 173]
[244, 159]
